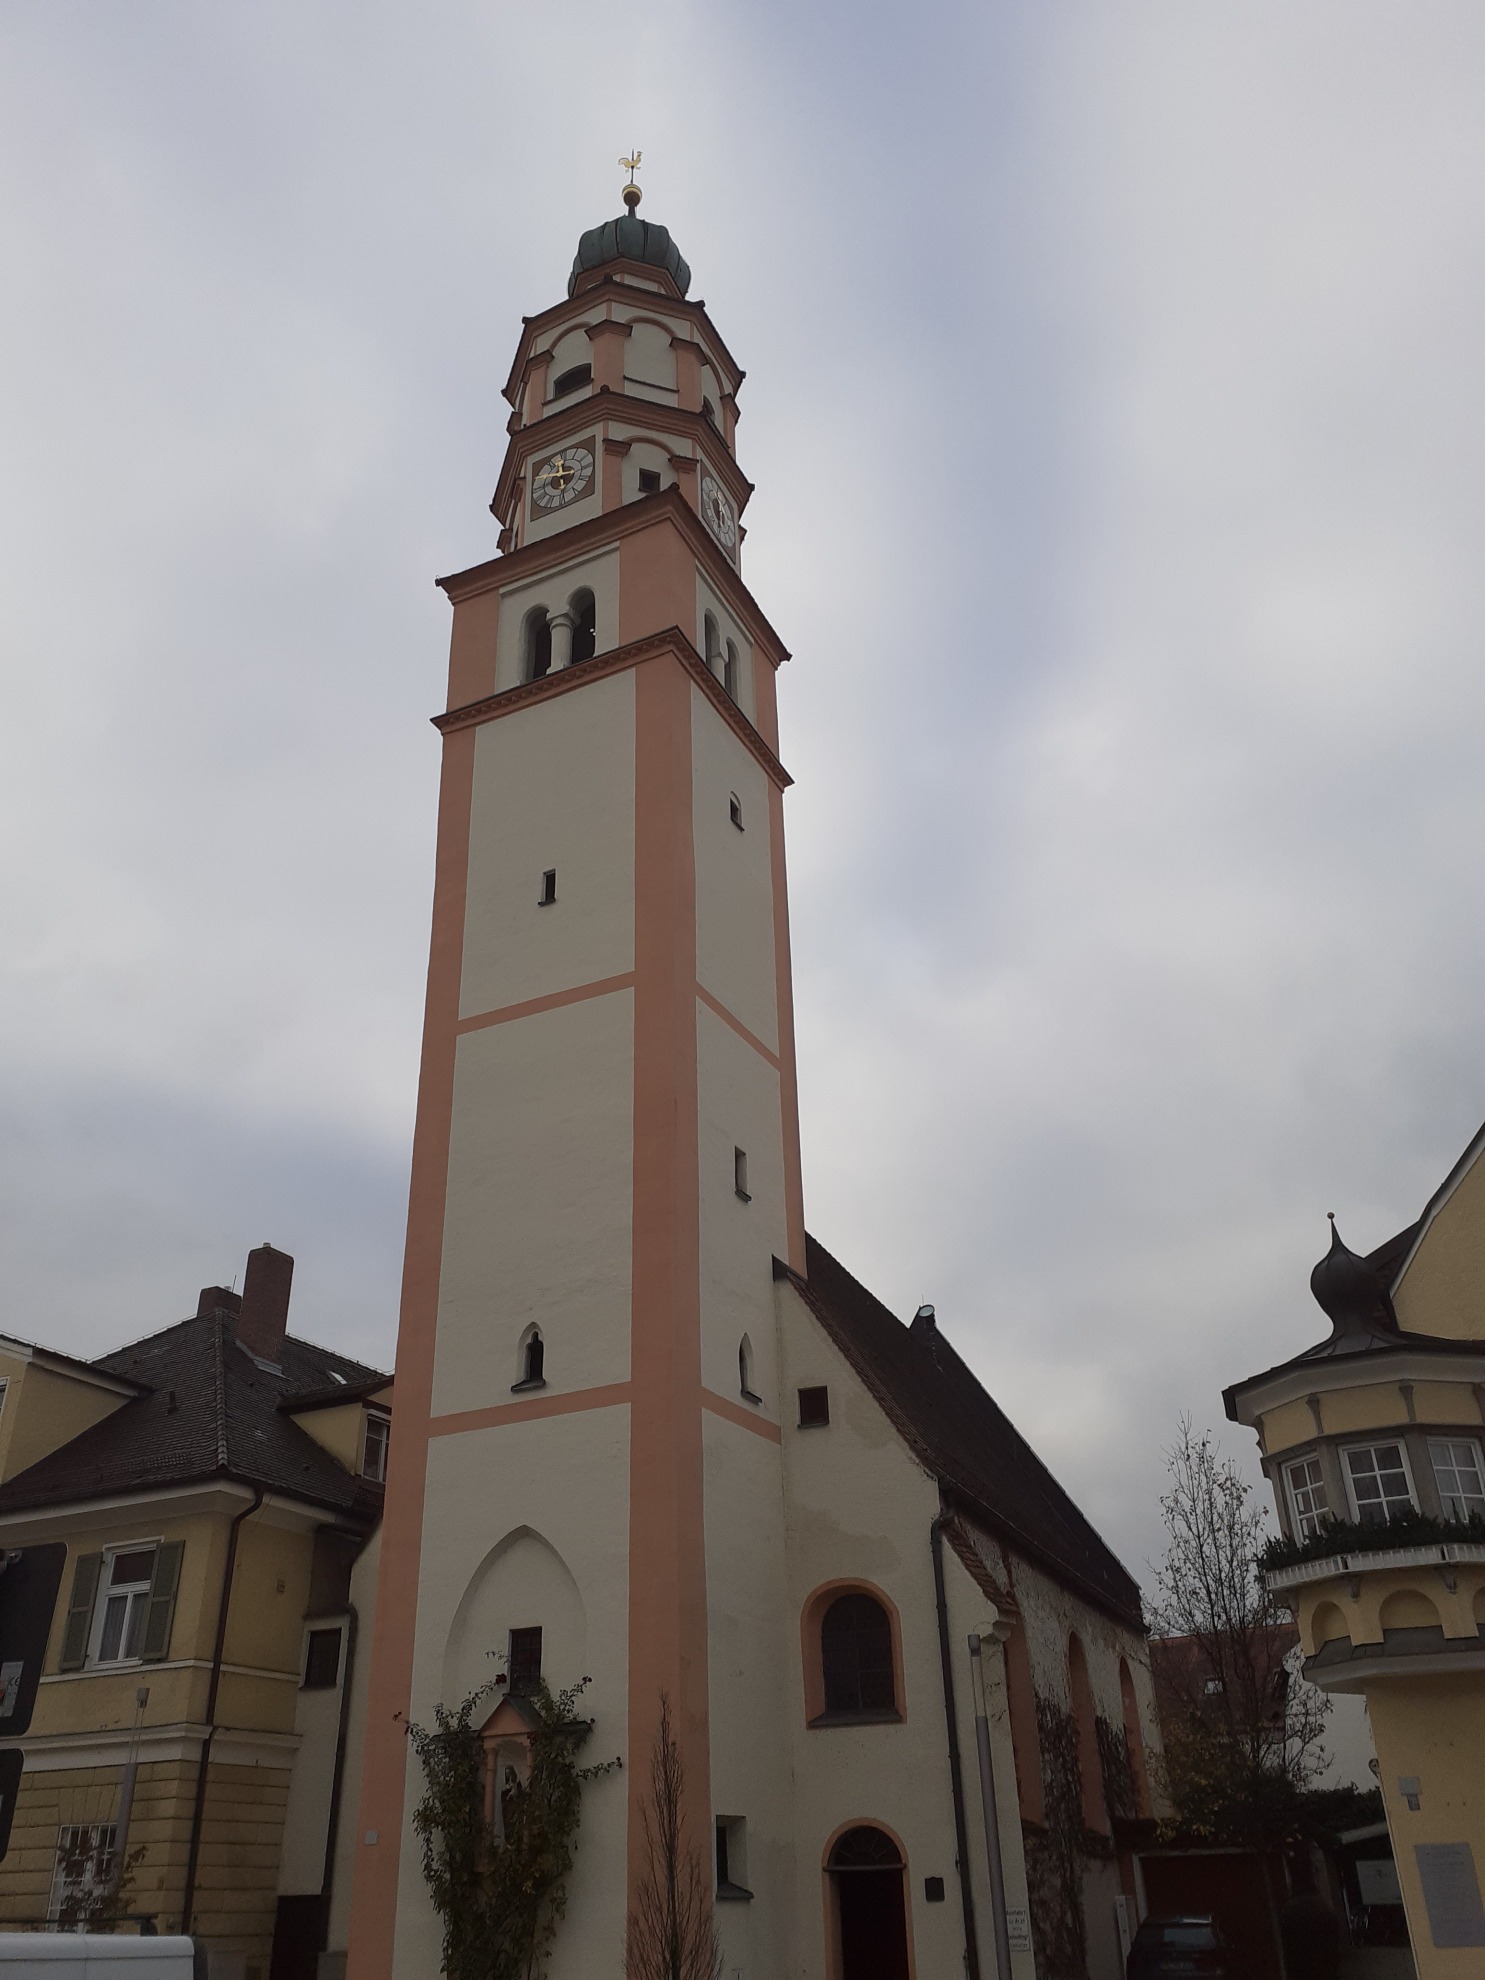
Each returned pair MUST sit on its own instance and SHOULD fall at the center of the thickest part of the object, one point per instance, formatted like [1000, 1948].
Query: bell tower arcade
[606, 1154]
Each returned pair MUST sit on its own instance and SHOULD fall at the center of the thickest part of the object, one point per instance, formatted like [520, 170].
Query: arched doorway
[870, 1908]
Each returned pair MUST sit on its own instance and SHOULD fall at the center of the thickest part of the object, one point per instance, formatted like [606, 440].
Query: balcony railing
[1344, 1546]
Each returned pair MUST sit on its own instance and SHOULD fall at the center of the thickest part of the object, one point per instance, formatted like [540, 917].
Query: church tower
[586, 1470]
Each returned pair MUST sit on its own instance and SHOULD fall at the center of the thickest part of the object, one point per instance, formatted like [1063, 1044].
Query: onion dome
[1350, 1291]
[630, 239]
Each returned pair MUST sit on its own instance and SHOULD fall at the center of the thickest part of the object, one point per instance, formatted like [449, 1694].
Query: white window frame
[1472, 1444]
[1376, 1444]
[138, 1592]
[378, 1477]
[97, 1878]
[1302, 1532]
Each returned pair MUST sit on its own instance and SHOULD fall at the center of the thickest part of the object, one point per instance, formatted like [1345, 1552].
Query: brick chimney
[217, 1299]
[265, 1302]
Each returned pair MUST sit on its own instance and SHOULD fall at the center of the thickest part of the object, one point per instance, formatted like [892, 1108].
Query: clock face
[720, 515]
[565, 477]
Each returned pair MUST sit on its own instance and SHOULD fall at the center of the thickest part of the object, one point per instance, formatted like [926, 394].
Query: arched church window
[532, 1362]
[572, 380]
[856, 1658]
[584, 612]
[709, 411]
[538, 643]
[712, 641]
[730, 672]
[745, 1371]
[1085, 1722]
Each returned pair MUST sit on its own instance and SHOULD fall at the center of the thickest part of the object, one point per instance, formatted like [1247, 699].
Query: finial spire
[632, 194]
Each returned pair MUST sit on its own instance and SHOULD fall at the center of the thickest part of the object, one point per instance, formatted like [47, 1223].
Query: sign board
[1018, 1928]
[11, 1762]
[28, 1597]
[1376, 1878]
[1451, 1891]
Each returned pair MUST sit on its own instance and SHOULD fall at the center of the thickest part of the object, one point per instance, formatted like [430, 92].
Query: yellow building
[183, 1529]
[1373, 1443]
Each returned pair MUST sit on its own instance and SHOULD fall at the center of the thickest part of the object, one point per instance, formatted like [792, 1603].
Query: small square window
[548, 888]
[322, 1660]
[933, 1890]
[740, 1173]
[814, 1408]
[525, 1662]
[734, 808]
[649, 481]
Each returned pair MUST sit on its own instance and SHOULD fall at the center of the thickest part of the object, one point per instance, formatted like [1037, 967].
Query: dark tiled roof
[209, 1411]
[963, 1437]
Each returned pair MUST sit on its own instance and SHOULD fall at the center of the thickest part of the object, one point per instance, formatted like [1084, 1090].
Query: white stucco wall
[538, 1226]
[553, 787]
[540, 1536]
[735, 954]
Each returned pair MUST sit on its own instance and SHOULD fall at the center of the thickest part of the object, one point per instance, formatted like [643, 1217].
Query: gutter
[956, 1771]
[198, 1812]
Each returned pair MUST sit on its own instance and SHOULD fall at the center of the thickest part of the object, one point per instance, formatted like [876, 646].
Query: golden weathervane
[632, 194]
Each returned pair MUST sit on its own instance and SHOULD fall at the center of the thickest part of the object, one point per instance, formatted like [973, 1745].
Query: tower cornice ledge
[654, 646]
[567, 545]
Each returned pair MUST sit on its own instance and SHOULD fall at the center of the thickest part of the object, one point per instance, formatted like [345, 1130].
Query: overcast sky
[1114, 406]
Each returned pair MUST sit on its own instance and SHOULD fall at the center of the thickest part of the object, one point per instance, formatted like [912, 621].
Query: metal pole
[992, 1818]
[126, 1791]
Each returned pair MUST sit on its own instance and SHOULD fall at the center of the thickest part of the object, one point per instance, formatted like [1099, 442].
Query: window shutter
[154, 1640]
[80, 1611]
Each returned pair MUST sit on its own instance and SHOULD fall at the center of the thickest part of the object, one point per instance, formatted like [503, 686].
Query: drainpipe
[199, 1811]
[992, 1816]
[956, 1772]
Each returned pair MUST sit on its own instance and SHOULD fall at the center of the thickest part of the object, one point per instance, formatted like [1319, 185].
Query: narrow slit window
[814, 1408]
[740, 1173]
[649, 481]
[730, 671]
[533, 1363]
[548, 888]
[745, 1371]
[524, 1662]
[734, 808]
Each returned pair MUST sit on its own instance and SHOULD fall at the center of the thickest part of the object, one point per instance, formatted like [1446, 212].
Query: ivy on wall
[1055, 1851]
[1118, 1771]
[501, 1896]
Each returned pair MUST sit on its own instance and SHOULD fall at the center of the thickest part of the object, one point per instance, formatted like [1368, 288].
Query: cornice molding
[567, 545]
[1294, 1381]
[695, 312]
[602, 403]
[618, 660]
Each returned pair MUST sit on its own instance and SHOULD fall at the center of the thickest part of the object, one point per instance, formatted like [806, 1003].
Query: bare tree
[1244, 1738]
[671, 1935]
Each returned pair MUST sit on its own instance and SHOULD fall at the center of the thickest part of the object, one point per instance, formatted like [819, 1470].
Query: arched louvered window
[584, 626]
[538, 644]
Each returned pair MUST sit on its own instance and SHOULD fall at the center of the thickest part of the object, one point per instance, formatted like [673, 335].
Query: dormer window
[572, 380]
[374, 1449]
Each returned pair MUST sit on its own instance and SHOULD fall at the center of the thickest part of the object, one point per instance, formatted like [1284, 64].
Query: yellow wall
[44, 1410]
[1282, 1428]
[340, 1430]
[1432, 1728]
[1389, 1598]
[1443, 1290]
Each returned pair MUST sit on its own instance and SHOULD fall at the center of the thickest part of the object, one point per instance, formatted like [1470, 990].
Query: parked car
[1190, 1948]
